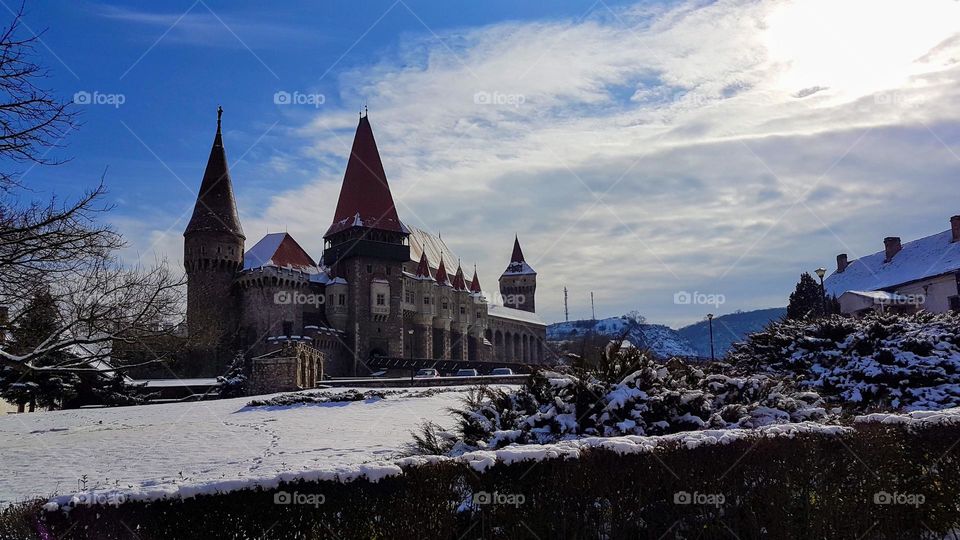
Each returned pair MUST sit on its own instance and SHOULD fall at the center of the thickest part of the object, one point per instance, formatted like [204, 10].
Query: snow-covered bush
[653, 399]
[879, 361]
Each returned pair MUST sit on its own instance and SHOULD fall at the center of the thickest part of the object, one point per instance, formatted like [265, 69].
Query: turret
[213, 252]
[518, 284]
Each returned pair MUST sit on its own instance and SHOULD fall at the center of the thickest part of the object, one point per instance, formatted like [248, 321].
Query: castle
[382, 289]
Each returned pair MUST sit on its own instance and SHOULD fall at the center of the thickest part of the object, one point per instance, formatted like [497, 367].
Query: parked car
[466, 373]
[501, 371]
[426, 373]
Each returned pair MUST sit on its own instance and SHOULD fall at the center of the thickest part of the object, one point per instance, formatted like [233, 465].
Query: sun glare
[855, 47]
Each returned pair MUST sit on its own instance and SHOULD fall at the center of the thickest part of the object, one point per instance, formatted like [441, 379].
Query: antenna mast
[593, 310]
[566, 308]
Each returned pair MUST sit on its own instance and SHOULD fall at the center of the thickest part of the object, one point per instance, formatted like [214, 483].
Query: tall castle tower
[366, 245]
[518, 284]
[213, 253]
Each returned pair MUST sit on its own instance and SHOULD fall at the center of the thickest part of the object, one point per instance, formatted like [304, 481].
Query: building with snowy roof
[381, 289]
[921, 274]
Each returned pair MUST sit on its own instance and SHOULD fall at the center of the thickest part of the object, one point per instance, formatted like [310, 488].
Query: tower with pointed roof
[518, 283]
[213, 253]
[366, 245]
[381, 288]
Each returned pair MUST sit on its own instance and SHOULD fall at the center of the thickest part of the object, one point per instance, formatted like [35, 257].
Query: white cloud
[719, 148]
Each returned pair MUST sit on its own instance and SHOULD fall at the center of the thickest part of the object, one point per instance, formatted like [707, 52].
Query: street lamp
[823, 293]
[710, 321]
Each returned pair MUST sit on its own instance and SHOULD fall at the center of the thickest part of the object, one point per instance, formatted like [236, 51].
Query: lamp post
[823, 292]
[710, 322]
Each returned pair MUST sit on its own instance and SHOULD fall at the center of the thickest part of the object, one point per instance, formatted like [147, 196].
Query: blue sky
[640, 150]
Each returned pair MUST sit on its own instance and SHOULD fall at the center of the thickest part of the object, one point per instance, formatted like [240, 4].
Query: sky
[675, 158]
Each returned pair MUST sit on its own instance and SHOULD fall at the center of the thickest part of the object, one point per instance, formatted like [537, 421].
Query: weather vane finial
[219, 114]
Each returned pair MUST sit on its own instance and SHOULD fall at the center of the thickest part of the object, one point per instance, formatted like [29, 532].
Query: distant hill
[727, 329]
[693, 340]
[662, 340]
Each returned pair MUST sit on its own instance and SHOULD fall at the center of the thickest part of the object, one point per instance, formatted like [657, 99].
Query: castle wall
[276, 302]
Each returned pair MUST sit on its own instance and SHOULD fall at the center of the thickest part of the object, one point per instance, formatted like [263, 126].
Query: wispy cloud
[200, 27]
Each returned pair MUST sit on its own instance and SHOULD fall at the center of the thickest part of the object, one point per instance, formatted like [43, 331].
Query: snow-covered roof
[282, 251]
[503, 312]
[880, 296]
[519, 269]
[421, 240]
[923, 258]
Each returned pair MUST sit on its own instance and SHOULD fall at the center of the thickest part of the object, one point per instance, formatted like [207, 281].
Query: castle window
[369, 268]
[426, 300]
[479, 315]
[444, 304]
[381, 299]
[342, 300]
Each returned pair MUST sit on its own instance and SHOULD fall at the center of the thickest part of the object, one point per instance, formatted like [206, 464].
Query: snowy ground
[158, 448]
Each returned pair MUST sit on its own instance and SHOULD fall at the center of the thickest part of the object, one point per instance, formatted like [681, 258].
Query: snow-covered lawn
[153, 450]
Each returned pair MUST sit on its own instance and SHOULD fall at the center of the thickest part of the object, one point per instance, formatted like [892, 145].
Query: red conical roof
[475, 283]
[441, 276]
[459, 284]
[423, 269]
[518, 266]
[517, 255]
[216, 208]
[365, 198]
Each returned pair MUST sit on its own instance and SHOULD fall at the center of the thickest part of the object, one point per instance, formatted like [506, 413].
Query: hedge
[878, 481]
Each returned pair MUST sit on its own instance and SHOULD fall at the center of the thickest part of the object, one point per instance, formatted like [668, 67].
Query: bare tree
[62, 246]
[33, 120]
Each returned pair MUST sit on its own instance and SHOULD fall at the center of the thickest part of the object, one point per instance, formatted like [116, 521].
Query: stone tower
[518, 284]
[213, 253]
[366, 245]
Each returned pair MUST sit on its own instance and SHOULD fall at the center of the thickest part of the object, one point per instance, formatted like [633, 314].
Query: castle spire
[365, 198]
[442, 278]
[423, 269]
[475, 282]
[459, 284]
[216, 207]
[518, 266]
[517, 256]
